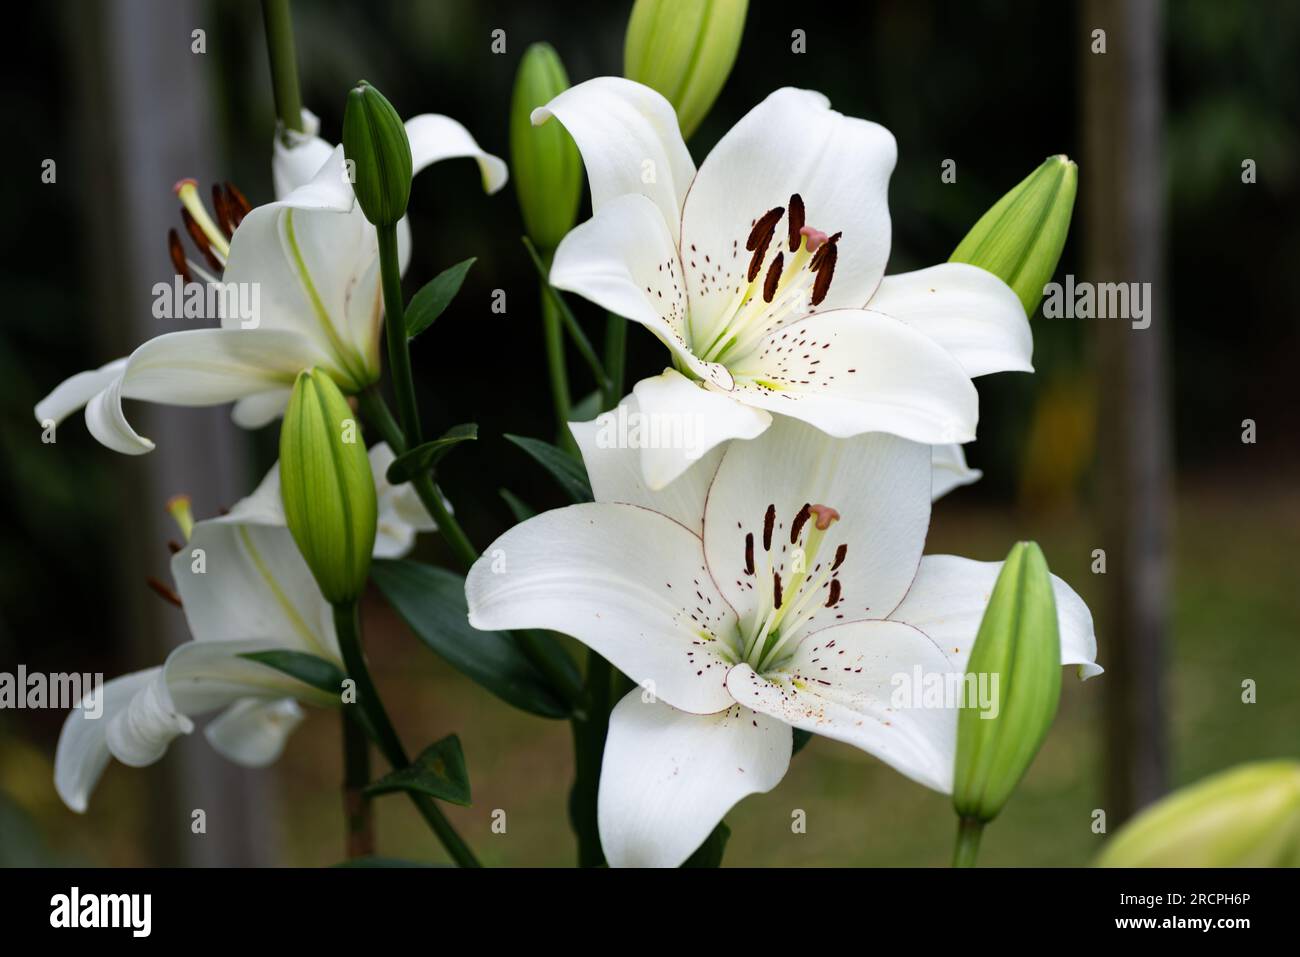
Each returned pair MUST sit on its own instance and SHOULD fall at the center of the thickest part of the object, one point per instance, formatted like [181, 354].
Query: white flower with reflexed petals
[777, 584]
[762, 273]
[314, 262]
[244, 588]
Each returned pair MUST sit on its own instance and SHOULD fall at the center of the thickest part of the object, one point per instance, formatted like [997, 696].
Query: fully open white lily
[313, 260]
[762, 273]
[778, 584]
[244, 588]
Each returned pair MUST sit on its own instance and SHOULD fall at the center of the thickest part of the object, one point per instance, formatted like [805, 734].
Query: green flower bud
[1020, 238]
[543, 159]
[375, 143]
[685, 51]
[327, 487]
[1248, 816]
[1019, 643]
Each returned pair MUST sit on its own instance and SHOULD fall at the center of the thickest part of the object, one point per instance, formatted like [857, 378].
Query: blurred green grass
[1236, 616]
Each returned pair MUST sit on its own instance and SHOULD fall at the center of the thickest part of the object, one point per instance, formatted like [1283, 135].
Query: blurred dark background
[995, 86]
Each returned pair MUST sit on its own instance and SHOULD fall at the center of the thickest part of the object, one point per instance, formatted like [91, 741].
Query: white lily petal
[668, 777]
[82, 752]
[691, 420]
[253, 732]
[140, 733]
[195, 367]
[296, 162]
[434, 138]
[624, 259]
[840, 683]
[947, 602]
[879, 484]
[627, 582]
[262, 409]
[949, 470]
[329, 190]
[72, 394]
[967, 310]
[614, 466]
[240, 579]
[629, 140]
[852, 371]
[792, 142]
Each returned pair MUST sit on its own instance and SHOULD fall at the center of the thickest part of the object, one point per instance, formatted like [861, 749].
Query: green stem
[356, 775]
[588, 751]
[553, 337]
[376, 412]
[968, 842]
[570, 322]
[615, 358]
[347, 625]
[399, 347]
[284, 63]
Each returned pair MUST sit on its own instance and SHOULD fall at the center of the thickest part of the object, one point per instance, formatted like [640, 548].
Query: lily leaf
[518, 507]
[309, 669]
[424, 457]
[801, 738]
[564, 468]
[709, 854]
[439, 772]
[432, 602]
[431, 301]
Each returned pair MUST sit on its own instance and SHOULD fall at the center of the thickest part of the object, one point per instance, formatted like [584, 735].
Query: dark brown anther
[773, 277]
[221, 207]
[835, 593]
[239, 206]
[796, 221]
[776, 589]
[799, 520]
[200, 240]
[825, 272]
[164, 592]
[173, 546]
[768, 521]
[177, 253]
[761, 234]
[749, 553]
[840, 553]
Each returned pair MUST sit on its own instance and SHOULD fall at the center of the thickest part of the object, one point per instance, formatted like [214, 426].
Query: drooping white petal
[852, 371]
[401, 513]
[668, 777]
[947, 602]
[841, 682]
[262, 409]
[967, 310]
[434, 137]
[194, 367]
[253, 732]
[614, 466]
[296, 162]
[624, 259]
[72, 394]
[949, 470]
[879, 485]
[82, 752]
[627, 582]
[629, 140]
[792, 142]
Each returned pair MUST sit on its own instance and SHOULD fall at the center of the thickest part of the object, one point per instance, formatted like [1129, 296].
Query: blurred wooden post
[1122, 189]
[146, 117]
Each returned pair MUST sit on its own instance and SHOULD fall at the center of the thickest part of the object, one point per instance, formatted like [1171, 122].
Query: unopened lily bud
[1248, 816]
[1019, 643]
[1020, 238]
[685, 50]
[327, 486]
[375, 143]
[544, 159]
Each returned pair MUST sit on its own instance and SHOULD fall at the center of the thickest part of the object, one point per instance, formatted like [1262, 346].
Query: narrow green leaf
[431, 301]
[439, 772]
[423, 458]
[564, 468]
[518, 507]
[309, 669]
[801, 739]
[432, 602]
[709, 854]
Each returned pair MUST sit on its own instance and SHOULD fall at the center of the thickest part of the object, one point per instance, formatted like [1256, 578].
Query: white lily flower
[778, 584]
[762, 273]
[244, 588]
[313, 260]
